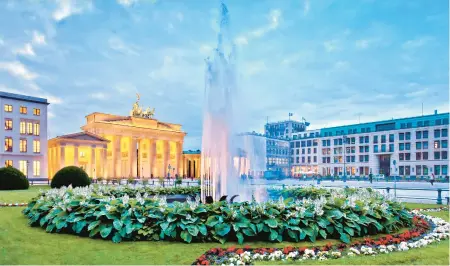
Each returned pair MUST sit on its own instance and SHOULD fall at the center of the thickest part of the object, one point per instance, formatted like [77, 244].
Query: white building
[414, 147]
[24, 133]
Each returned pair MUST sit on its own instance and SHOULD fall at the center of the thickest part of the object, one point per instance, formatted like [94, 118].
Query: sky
[334, 62]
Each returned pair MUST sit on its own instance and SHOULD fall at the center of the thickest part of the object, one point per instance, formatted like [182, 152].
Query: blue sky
[328, 61]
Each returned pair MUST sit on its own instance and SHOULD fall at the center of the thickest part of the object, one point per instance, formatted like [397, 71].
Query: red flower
[239, 251]
[286, 250]
[205, 262]
[246, 247]
[231, 249]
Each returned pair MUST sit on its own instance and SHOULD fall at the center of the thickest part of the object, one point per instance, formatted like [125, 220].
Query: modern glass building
[414, 146]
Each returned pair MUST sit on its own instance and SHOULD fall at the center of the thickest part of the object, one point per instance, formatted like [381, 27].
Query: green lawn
[21, 244]
[18, 196]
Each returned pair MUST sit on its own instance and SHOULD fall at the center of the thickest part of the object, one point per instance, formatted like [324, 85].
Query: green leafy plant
[11, 178]
[70, 175]
[134, 216]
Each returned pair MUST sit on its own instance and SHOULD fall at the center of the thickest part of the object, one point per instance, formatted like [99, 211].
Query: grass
[21, 244]
[18, 196]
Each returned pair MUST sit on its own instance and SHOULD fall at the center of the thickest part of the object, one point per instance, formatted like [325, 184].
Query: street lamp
[168, 172]
[28, 164]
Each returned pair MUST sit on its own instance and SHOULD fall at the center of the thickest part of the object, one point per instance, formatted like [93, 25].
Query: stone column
[152, 157]
[178, 166]
[104, 163]
[75, 154]
[93, 162]
[132, 157]
[166, 157]
[62, 157]
[115, 158]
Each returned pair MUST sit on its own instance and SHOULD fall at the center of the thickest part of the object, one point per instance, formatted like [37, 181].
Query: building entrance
[385, 164]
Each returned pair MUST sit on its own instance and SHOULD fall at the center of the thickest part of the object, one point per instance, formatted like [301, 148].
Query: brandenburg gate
[128, 146]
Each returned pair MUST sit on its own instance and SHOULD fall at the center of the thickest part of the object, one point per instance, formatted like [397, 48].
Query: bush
[11, 178]
[70, 175]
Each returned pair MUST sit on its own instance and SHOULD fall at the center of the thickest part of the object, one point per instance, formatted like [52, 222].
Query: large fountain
[227, 157]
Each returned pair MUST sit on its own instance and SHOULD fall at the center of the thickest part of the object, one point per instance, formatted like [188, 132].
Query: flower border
[426, 230]
[4, 204]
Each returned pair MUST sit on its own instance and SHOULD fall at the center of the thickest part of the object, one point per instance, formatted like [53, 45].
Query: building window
[445, 170]
[36, 111]
[408, 135]
[23, 167]
[383, 138]
[424, 155]
[36, 168]
[437, 155]
[23, 127]
[375, 139]
[8, 124]
[36, 146]
[23, 110]
[437, 144]
[444, 155]
[401, 136]
[418, 134]
[444, 143]
[366, 149]
[418, 145]
[375, 148]
[401, 156]
[444, 132]
[425, 134]
[391, 137]
[37, 129]
[407, 156]
[8, 108]
[425, 170]
[418, 156]
[23, 145]
[401, 170]
[402, 146]
[29, 128]
[391, 147]
[419, 170]
[407, 146]
[8, 163]
[437, 133]
[425, 145]
[383, 147]
[8, 144]
[437, 169]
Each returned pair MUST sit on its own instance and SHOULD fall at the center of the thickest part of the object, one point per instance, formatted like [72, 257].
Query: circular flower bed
[99, 212]
[425, 230]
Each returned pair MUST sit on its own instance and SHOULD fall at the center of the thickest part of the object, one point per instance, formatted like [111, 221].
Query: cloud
[51, 99]
[331, 45]
[99, 96]
[180, 16]
[416, 43]
[255, 67]
[273, 17]
[15, 68]
[362, 44]
[126, 3]
[117, 44]
[67, 8]
[38, 38]
[306, 7]
[417, 93]
[27, 50]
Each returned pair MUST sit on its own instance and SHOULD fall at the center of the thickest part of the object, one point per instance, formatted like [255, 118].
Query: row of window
[306, 159]
[438, 144]
[423, 170]
[22, 109]
[22, 145]
[277, 151]
[26, 127]
[297, 151]
[278, 161]
[23, 167]
[438, 155]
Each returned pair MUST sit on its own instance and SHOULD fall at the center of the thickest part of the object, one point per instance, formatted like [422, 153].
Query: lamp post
[344, 140]
[394, 162]
[168, 172]
[28, 163]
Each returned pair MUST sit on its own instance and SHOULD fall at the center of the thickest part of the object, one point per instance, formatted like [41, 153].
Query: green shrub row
[340, 216]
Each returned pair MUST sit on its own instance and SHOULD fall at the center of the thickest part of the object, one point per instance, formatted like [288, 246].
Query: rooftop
[21, 97]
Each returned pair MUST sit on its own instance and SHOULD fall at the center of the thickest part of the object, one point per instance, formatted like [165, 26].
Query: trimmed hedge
[11, 179]
[70, 175]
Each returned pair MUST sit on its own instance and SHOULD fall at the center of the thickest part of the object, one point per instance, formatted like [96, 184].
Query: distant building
[284, 129]
[24, 133]
[414, 146]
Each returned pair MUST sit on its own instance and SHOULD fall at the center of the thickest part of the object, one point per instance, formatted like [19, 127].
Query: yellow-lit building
[114, 146]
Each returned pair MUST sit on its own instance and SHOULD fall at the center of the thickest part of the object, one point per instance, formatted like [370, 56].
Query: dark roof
[23, 97]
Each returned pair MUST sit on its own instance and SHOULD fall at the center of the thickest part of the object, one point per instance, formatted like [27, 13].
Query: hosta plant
[97, 212]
